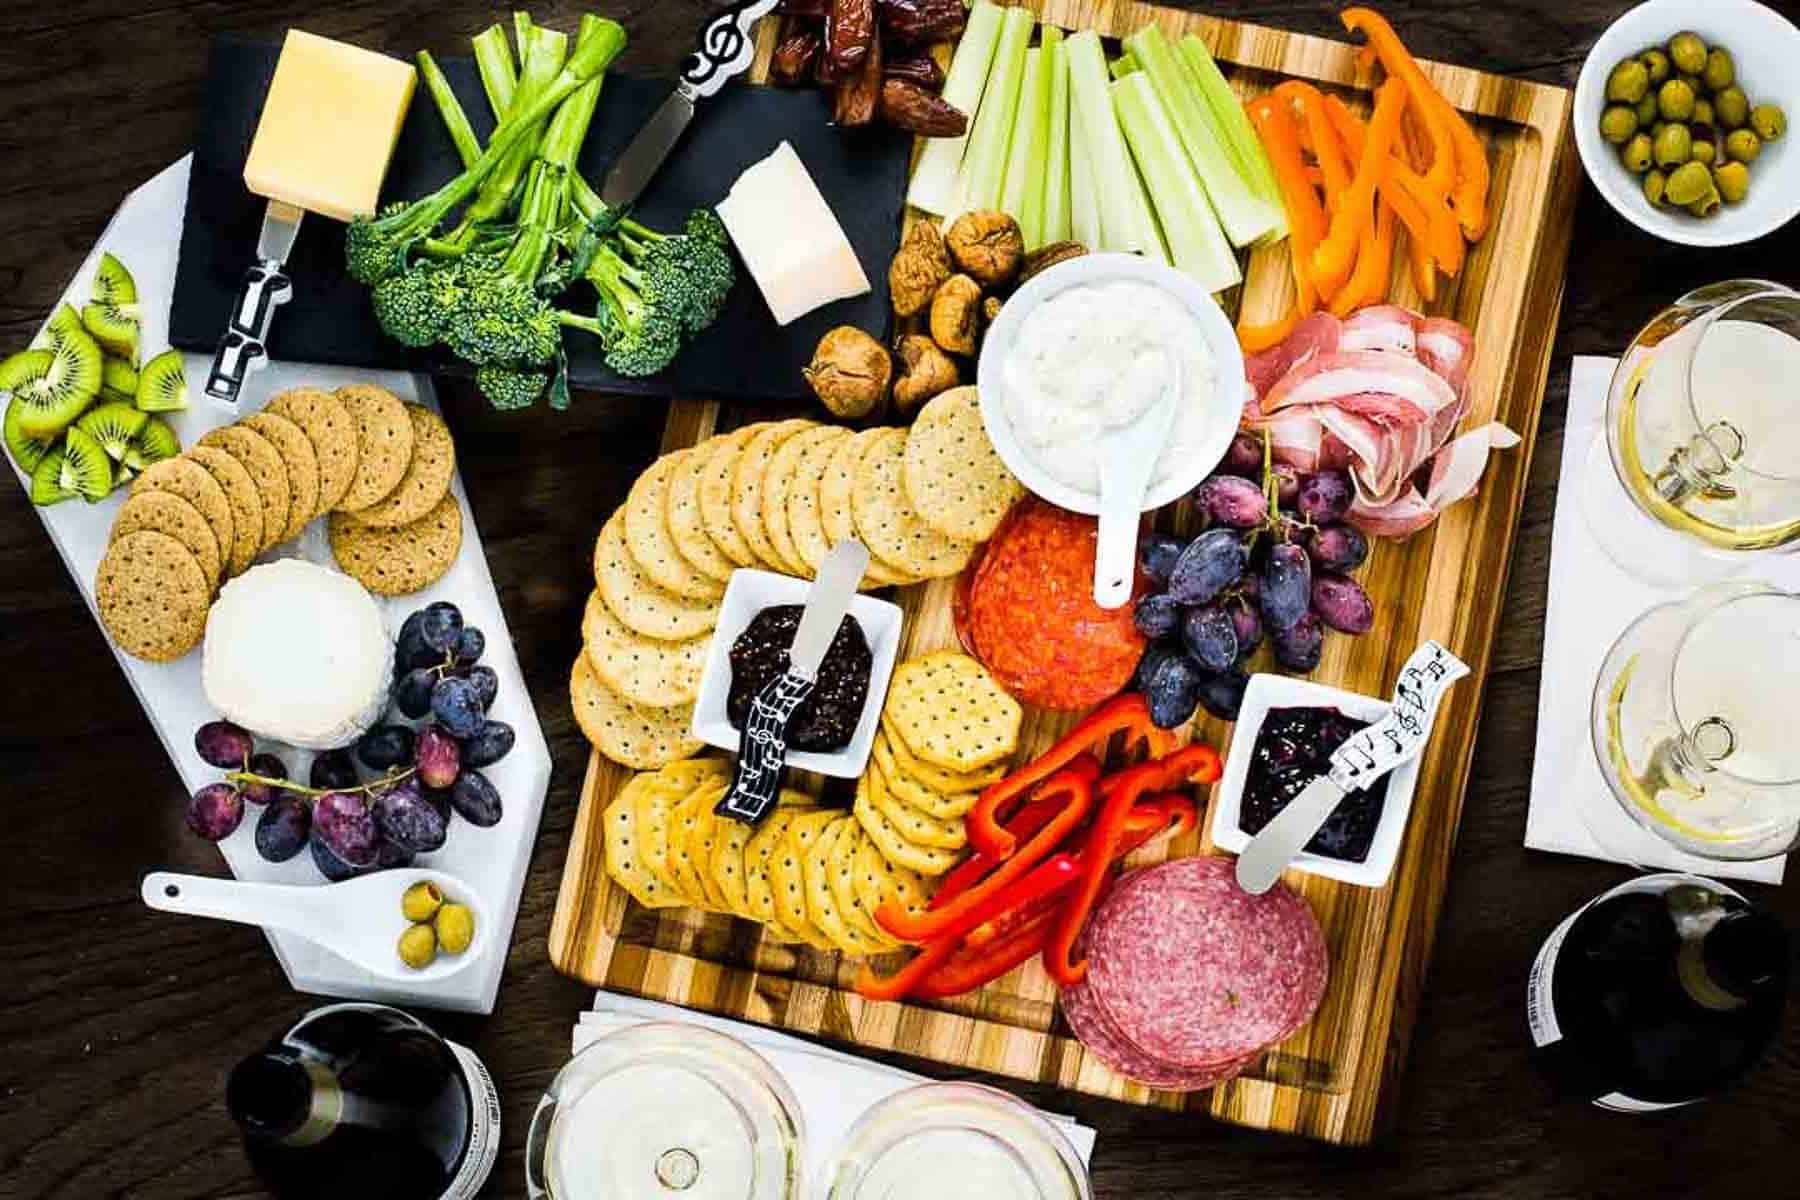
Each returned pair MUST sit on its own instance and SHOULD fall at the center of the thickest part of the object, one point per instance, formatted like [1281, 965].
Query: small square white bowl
[1281, 691]
[748, 593]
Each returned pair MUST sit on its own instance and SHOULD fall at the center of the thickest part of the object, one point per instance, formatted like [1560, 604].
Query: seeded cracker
[623, 854]
[914, 826]
[647, 671]
[934, 777]
[779, 483]
[641, 738]
[167, 513]
[332, 432]
[246, 505]
[843, 889]
[802, 509]
[653, 800]
[650, 544]
[747, 488]
[758, 890]
[836, 516]
[153, 597]
[821, 906]
[878, 881]
[638, 603]
[948, 711]
[302, 463]
[384, 444]
[910, 792]
[727, 866]
[953, 476]
[189, 480]
[398, 562]
[887, 522]
[427, 477]
[687, 527]
[717, 470]
[787, 876]
[894, 846]
[690, 845]
[267, 472]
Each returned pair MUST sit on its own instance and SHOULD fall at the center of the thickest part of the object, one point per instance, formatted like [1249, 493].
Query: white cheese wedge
[298, 653]
[790, 239]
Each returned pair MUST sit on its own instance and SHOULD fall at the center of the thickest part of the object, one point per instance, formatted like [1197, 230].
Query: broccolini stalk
[456, 121]
[499, 77]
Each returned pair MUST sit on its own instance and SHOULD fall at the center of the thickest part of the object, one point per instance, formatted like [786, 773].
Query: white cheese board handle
[1128, 458]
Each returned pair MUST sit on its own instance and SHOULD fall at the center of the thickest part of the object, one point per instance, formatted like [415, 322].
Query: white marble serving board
[145, 234]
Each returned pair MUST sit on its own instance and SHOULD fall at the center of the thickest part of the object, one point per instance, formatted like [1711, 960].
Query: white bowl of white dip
[1082, 350]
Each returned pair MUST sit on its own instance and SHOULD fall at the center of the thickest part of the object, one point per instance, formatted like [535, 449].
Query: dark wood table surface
[117, 1026]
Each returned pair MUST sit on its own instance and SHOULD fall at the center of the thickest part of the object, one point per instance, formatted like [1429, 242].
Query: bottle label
[484, 1127]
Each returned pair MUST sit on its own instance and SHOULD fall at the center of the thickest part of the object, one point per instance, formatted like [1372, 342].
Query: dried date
[794, 58]
[905, 105]
[849, 36]
[859, 97]
[918, 21]
[917, 67]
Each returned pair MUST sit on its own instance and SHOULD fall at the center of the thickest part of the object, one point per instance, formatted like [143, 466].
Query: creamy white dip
[1093, 359]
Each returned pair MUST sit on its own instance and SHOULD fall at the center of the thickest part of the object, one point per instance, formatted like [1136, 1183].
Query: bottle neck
[1728, 956]
[285, 1098]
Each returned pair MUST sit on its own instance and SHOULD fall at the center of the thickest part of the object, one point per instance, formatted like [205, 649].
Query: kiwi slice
[118, 380]
[113, 284]
[154, 442]
[28, 452]
[162, 384]
[115, 327]
[114, 426]
[46, 480]
[53, 385]
[86, 469]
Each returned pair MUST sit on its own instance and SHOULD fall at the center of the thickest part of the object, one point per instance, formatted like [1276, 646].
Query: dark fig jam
[1293, 748]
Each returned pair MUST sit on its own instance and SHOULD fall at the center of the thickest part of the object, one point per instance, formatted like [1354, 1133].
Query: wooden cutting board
[1330, 1080]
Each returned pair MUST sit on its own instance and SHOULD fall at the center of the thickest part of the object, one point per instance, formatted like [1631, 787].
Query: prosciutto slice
[1380, 395]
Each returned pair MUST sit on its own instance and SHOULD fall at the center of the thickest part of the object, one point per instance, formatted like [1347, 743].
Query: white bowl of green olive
[1681, 117]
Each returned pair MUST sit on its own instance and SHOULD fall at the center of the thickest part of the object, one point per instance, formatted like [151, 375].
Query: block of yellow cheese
[328, 126]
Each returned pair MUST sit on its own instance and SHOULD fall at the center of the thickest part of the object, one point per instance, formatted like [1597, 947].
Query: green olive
[1656, 64]
[1638, 154]
[1732, 107]
[1706, 205]
[418, 946]
[1704, 151]
[1673, 146]
[1741, 145]
[1703, 112]
[1675, 101]
[1617, 124]
[1628, 83]
[1769, 122]
[1688, 53]
[455, 928]
[421, 901]
[1733, 181]
[1646, 112]
[1687, 183]
[1720, 71]
[1655, 184]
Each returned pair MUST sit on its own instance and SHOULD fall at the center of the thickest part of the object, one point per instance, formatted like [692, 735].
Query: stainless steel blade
[644, 156]
[826, 605]
[1282, 839]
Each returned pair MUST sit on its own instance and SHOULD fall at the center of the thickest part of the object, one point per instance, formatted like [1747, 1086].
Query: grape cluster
[1272, 566]
[354, 822]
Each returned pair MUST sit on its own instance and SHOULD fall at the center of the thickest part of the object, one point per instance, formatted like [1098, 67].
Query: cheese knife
[244, 347]
[1391, 742]
[726, 50]
[762, 750]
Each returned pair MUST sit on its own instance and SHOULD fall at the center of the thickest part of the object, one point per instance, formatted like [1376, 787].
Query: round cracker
[653, 801]
[893, 844]
[267, 472]
[914, 825]
[787, 875]
[843, 890]
[633, 598]
[165, 512]
[879, 881]
[747, 479]
[687, 526]
[331, 429]
[647, 671]
[758, 890]
[624, 844]
[727, 866]
[717, 469]
[384, 444]
[914, 794]
[647, 537]
[152, 596]
[952, 474]
[779, 483]
[399, 562]
[641, 738]
[427, 477]
[821, 902]
[246, 505]
[691, 840]
[191, 481]
[302, 463]
[836, 509]
[887, 522]
[800, 496]
[947, 710]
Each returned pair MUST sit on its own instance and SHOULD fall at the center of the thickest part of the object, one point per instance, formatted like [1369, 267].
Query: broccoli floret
[415, 307]
[692, 270]
[641, 333]
[508, 388]
[502, 321]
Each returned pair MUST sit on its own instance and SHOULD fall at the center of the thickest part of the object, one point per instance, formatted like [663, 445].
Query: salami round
[1104, 1041]
[1029, 613]
[1196, 972]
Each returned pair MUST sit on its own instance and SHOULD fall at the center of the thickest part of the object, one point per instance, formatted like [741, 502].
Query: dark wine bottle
[1662, 992]
[359, 1100]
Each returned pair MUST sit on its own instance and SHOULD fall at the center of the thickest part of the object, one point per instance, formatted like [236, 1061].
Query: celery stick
[499, 77]
[1024, 194]
[1056, 219]
[1247, 217]
[1084, 190]
[934, 179]
[1228, 113]
[1196, 242]
[1122, 66]
[1125, 220]
[982, 182]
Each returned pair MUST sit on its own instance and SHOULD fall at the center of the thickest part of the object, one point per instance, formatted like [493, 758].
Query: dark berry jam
[1293, 748]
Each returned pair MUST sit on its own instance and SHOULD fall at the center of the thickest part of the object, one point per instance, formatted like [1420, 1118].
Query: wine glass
[1703, 437]
[1693, 722]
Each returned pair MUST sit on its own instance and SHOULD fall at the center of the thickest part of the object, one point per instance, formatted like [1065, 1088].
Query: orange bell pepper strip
[1335, 258]
[1374, 265]
[1426, 215]
[1274, 123]
[1317, 138]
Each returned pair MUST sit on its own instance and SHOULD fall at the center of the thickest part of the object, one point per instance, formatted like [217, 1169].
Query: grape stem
[312, 793]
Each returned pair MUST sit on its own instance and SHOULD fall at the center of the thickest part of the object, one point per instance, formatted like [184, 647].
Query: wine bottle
[362, 1100]
[1660, 993]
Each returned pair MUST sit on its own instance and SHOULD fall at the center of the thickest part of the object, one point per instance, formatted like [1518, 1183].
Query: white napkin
[1591, 602]
[834, 1088]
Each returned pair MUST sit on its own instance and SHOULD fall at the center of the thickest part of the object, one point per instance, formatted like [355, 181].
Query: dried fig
[919, 270]
[850, 372]
[956, 314]
[990, 309]
[925, 371]
[988, 246]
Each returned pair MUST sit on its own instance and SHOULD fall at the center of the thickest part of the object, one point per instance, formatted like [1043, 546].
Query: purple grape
[411, 653]
[1342, 604]
[1340, 548]
[1152, 658]
[475, 799]
[1244, 457]
[1173, 691]
[1212, 562]
[333, 770]
[1157, 554]
[439, 799]
[385, 747]
[330, 865]
[1286, 586]
[224, 745]
[1222, 693]
[486, 684]
[1300, 646]
[1232, 501]
[1287, 484]
[412, 692]
[440, 625]
[438, 757]
[345, 824]
[471, 644]
[407, 821]
[215, 811]
[493, 743]
[389, 857]
[1324, 497]
[1156, 616]
[269, 767]
[457, 707]
[283, 828]
[1247, 624]
[1210, 636]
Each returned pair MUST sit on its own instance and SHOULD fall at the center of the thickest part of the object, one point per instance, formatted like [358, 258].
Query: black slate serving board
[744, 356]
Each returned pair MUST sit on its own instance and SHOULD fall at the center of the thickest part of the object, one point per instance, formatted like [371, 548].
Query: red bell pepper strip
[975, 965]
[1022, 825]
[1128, 714]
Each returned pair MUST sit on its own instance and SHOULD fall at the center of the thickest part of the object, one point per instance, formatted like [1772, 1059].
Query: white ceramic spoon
[358, 920]
[1128, 458]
